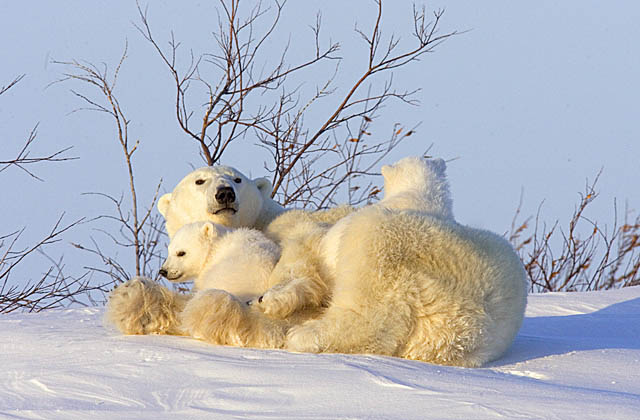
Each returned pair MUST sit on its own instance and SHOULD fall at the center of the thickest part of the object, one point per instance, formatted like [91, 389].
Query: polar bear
[238, 261]
[407, 280]
[220, 194]
[228, 266]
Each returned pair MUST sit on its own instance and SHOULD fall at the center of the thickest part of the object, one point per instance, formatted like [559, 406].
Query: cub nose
[225, 195]
[163, 272]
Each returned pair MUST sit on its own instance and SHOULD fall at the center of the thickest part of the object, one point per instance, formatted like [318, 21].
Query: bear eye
[199, 181]
[181, 254]
[237, 180]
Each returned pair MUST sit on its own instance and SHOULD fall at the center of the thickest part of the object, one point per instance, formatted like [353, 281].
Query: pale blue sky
[536, 96]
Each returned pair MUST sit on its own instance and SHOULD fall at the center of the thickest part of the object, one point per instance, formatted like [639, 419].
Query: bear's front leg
[297, 284]
[218, 317]
[142, 306]
[285, 298]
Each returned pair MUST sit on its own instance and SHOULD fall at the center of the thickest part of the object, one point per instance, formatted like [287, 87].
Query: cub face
[189, 250]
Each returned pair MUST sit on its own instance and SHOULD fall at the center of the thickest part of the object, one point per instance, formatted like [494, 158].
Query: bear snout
[163, 272]
[225, 195]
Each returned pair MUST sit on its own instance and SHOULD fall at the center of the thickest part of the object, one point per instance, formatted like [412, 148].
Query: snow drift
[576, 356]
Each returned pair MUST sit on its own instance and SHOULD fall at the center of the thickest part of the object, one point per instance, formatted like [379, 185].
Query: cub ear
[386, 170]
[208, 230]
[163, 204]
[264, 186]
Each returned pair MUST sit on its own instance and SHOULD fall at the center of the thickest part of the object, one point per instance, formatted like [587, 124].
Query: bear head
[418, 184]
[220, 194]
[190, 249]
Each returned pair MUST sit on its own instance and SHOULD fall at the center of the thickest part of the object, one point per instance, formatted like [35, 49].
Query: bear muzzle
[223, 202]
[225, 196]
[170, 275]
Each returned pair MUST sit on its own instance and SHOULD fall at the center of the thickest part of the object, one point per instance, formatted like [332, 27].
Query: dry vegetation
[582, 255]
[53, 288]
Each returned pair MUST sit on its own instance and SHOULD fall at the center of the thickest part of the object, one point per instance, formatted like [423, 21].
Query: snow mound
[577, 356]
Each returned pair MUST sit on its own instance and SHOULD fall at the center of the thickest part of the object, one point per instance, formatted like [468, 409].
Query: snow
[576, 357]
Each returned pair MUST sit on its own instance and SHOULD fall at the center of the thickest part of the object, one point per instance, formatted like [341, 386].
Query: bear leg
[142, 306]
[218, 317]
[351, 330]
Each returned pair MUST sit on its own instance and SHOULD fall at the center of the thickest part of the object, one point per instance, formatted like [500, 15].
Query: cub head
[418, 184]
[189, 250]
[220, 194]
[412, 173]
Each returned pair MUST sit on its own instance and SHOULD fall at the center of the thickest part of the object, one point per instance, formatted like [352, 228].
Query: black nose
[163, 272]
[225, 195]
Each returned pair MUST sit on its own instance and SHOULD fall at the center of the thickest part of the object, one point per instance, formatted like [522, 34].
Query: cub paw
[278, 302]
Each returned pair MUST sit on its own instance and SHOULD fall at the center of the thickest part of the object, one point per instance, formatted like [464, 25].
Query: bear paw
[278, 302]
[217, 317]
[303, 339]
[141, 306]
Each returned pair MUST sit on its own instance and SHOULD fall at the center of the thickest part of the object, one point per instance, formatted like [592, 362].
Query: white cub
[413, 183]
[220, 194]
[407, 280]
[238, 261]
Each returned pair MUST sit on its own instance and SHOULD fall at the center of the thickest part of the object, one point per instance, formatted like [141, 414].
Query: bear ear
[208, 230]
[163, 204]
[264, 186]
[386, 170]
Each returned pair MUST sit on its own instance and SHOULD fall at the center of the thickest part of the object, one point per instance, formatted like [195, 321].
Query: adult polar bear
[407, 280]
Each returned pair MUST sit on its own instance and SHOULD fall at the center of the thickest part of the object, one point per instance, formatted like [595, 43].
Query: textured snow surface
[576, 357]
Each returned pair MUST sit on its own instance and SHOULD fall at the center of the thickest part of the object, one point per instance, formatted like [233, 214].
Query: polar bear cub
[407, 280]
[238, 261]
[418, 184]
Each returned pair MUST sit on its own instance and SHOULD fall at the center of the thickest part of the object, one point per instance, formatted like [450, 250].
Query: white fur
[238, 261]
[229, 267]
[400, 278]
[407, 280]
[413, 183]
[192, 202]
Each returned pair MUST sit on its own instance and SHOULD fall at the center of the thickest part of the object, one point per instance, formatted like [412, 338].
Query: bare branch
[11, 84]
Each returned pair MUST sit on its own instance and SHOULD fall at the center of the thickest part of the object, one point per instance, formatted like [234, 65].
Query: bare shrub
[138, 230]
[312, 160]
[53, 288]
[582, 256]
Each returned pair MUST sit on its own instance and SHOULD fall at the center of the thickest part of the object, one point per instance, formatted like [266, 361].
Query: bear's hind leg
[340, 330]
